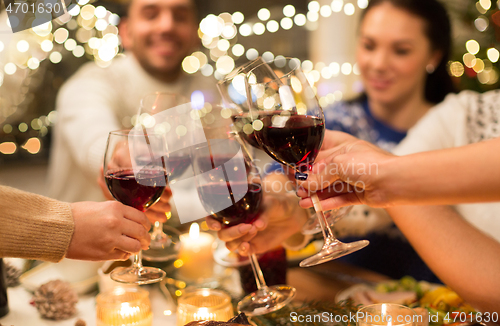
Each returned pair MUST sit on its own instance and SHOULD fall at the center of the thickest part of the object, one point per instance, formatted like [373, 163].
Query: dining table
[321, 283]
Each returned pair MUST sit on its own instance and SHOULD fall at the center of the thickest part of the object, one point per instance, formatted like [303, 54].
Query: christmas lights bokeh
[91, 32]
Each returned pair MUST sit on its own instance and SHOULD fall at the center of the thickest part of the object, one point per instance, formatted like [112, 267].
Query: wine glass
[229, 187]
[135, 175]
[288, 122]
[234, 97]
[154, 114]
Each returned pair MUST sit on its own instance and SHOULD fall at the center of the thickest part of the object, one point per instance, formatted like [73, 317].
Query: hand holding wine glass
[288, 123]
[135, 174]
[352, 187]
[229, 187]
[107, 231]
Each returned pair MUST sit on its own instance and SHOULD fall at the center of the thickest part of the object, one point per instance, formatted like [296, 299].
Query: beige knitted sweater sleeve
[33, 226]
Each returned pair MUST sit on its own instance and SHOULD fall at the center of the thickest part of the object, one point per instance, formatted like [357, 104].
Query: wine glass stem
[325, 227]
[138, 260]
[157, 230]
[257, 272]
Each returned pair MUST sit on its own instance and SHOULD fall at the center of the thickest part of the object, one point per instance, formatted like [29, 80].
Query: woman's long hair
[438, 31]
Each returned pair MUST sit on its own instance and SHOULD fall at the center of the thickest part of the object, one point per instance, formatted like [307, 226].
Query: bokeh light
[313, 6]
[238, 50]
[337, 5]
[472, 46]
[238, 17]
[264, 14]
[286, 23]
[245, 30]
[349, 9]
[289, 11]
[259, 28]
[272, 26]
[325, 11]
[493, 54]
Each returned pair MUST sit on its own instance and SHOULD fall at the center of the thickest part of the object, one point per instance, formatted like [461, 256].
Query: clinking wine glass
[234, 97]
[289, 124]
[229, 187]
[158, 112]
[135, 175]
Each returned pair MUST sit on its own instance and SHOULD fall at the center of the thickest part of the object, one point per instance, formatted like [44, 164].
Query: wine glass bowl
[287, 121]
[234, 98]
[135, 176]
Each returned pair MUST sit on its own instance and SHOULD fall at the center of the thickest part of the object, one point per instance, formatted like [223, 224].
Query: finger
[118, 254]
[134, 231]
[234, 232]
[213, 224]
[162, 206]
[136, 216]
[166, 195]
[343, 200]
[244, 249]
[233, 245]
[261, 223]
[128, 245]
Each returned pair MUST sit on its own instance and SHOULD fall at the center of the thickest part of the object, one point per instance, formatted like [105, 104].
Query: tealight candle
[204, 304]
[124, 307]
[196, 254]
[386, 314]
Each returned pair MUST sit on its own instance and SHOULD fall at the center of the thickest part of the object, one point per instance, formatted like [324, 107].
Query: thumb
[339, 201]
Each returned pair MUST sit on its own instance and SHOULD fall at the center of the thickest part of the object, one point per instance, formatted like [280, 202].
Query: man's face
[160, 33]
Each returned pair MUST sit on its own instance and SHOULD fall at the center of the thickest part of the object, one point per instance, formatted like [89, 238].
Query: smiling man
[160, 33]
[156, 35]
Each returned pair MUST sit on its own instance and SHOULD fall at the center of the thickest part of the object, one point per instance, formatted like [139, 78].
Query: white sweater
[461, 119]
[94, 102]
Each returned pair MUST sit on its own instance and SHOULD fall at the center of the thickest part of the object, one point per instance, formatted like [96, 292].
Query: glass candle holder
[386, 314]
[124, 307]
[204, 304]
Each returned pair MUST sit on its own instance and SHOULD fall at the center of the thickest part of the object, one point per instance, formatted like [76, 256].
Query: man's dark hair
[201, 8]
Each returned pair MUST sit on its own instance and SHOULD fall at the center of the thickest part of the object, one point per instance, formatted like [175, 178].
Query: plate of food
[443, 305]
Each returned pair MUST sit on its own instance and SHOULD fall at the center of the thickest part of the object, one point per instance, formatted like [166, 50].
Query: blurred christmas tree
[476, 28]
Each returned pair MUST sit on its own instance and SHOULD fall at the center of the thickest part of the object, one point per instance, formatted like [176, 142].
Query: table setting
[185, 278]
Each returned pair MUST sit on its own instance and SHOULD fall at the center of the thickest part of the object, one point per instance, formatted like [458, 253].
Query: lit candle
[196, 254]
[203, 304]
[124, 307]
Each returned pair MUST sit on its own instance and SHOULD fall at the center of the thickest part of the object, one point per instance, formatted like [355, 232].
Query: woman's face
[393, 53]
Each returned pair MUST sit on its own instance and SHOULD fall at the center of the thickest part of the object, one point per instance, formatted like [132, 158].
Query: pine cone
[12, 275]
[80, 322]
[56, 300]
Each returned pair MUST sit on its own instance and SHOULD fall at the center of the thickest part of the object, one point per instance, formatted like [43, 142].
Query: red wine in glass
[273, 264]
[245, 210]
[240, 123]
[177, 165]
[293, 140]
[139, 190]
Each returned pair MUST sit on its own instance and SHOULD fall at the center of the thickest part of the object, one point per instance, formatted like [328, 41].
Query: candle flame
[194, 231]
